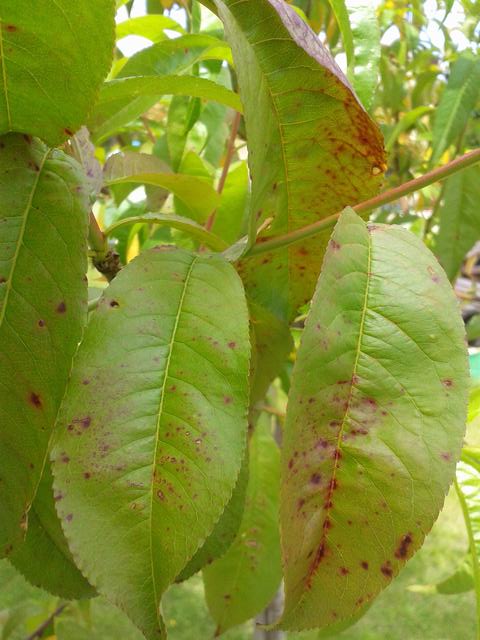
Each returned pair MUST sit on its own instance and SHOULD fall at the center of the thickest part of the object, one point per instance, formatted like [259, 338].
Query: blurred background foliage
[416, 67]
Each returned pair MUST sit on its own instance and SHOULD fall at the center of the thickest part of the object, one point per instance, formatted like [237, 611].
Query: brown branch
[46, 623]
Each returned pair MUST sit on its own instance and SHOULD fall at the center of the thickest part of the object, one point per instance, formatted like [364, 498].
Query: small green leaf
[44, 558]
[371, 439]
[123, 100]
[456, 104]
[153, 426]
[141, 168]
[243, 581]
[151, 27]
[43, 307]
[50, 84]
[459, 220]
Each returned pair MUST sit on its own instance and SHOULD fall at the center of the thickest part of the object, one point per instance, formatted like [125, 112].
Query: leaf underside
[153, 427]
[372, 439]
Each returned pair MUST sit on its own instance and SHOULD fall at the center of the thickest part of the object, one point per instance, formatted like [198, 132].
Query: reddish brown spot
[320, 554]
[337, 455]
[334, 245]
[64, 458]
[315, 478]
[333, 485]
[2, 280]
[227, 596]
[87, 475]
[311, 400]
[227, 400]
[364, 565]
[114, 303]
[290, 463]
[322, 443]
[344, 571]
[11, 28]
[41, 323]
[232, 345]
[334, 423]
[62, 307]
[300, 503]
[404, 545]
[69, 132]
[387, 570]
[35, 400]
[161, 495]
[69, 517]
[447, 383]
[446, 456]
[85, 381]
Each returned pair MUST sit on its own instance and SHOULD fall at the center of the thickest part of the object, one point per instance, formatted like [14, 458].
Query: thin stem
[440, 173]
[46, 623]
[96, 238]
[226, 165]
[473, 551]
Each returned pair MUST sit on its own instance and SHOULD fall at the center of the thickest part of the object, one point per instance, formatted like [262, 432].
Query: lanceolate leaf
[49, 83]
[456, 104]
[151, 27]
[123, 100]
[141, 168]
[241, 583]
[152, 431]
[44, 558]
[43, 305]
[372, 439]
[459, 219]
[313, 148]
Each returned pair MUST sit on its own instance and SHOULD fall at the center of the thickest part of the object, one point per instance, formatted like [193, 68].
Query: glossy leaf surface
[49, 84]
[372, 439]
[152, 432]
[43, 298]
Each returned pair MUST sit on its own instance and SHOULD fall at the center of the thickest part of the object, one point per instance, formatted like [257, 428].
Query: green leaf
[153, 426]
[459, 219]
[372, 438]
[50, 84]
[151, 27]
[44, 558]
[141, 168]
[230, 219]
[473, 328]
[225, 531]
[312, 147]
[175, 222]
[241, 583]
[456, 104]
[460, 581]
[177, 55]
[407, 121]
[123, 100]
[43, 306]
[182, 115]
[361, 38]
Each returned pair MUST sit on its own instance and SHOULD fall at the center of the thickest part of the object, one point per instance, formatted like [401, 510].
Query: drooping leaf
[312, 147]
[372, 439]
[361, 37]
[153, 426]
[225, 531]
[151, 27]
[456, 104]
[49, 84]
[84, 152]
[43, 306]
[141, 168]
[459, 219]
[44, 558]
[193, 165]
[123, 100]
[243, 581]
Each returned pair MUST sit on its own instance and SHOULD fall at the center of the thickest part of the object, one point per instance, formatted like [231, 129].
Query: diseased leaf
[153, 427]
[43, 307]
[84, 152]
[371, 441]
[44, 558]
[456, 104]
[459, 219]
[312, 147]
[123, 100]
[49, 84]
[242, 582]
[141, 168]
[225, 531]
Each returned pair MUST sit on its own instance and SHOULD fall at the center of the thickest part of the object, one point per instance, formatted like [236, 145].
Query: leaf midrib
[314, 564]
[157, 435]
[4, 77]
